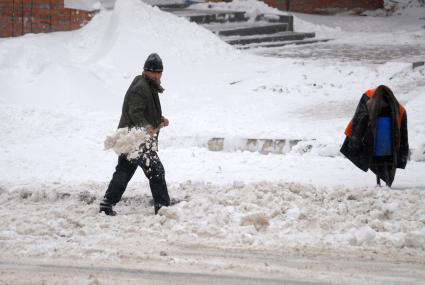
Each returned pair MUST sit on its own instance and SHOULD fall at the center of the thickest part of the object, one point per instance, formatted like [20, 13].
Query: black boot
[159, 192]
[106, 207]
[157, 206]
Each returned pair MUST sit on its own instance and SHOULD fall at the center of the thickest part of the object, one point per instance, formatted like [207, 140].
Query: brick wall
[325, 6]
[18, 17]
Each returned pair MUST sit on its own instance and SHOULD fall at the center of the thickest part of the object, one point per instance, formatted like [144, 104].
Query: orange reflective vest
[369, 93]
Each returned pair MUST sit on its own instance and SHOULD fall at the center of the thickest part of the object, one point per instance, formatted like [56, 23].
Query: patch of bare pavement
[210, 266]
[377, 54]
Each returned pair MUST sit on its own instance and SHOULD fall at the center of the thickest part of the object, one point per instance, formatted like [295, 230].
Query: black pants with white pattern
[124, 171]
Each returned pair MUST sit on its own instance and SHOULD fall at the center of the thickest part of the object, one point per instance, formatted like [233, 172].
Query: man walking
[141, 108]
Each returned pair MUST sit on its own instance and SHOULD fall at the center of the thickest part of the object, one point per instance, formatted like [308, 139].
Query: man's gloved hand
[164, 121]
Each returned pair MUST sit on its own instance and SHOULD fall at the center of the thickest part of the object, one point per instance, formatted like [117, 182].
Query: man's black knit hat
[153, 63]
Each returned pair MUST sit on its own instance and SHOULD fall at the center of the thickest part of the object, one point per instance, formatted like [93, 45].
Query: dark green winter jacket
[141, 107]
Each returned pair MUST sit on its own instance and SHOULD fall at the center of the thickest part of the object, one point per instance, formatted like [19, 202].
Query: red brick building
[325, 6]
[18, 17]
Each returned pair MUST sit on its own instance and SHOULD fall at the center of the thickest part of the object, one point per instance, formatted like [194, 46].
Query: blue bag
[383, 138]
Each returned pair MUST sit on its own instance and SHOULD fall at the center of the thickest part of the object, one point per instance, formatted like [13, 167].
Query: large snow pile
[89, 61]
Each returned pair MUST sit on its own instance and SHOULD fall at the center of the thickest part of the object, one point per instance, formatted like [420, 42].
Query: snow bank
[264, 216]
[139, 29]
[96, 62]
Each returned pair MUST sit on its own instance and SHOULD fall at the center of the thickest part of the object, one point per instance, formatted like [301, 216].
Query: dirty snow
[285, 216]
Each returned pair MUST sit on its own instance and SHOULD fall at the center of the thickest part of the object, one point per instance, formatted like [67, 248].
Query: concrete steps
[277, 44]
[249, 29]
[267, 30]
[269, 38]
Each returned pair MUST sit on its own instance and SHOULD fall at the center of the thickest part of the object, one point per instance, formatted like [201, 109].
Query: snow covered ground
[61, 96]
